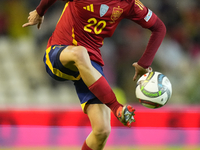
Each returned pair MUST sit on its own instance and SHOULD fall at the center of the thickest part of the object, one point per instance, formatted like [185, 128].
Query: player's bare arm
[34, 19]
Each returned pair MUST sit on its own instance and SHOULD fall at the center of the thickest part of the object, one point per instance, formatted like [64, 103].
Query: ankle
[85, 146]
[118, 113]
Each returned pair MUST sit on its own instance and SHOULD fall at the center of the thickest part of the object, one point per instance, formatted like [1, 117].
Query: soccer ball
[153, 90]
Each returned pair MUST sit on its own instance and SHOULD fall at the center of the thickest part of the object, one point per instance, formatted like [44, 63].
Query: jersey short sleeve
[141, 14]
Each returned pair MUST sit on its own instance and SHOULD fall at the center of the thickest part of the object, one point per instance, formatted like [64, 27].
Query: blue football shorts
[58, 72]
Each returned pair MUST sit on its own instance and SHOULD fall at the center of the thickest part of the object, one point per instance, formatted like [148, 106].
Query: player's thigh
[99, 115]
[72, 55]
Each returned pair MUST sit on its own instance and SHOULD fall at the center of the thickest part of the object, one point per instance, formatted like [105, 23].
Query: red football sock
[85, 147]
[102, 90]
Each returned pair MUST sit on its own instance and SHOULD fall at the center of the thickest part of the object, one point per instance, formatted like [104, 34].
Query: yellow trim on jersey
[140, 5]
[73, 36]
[56, 71]
[63, 11]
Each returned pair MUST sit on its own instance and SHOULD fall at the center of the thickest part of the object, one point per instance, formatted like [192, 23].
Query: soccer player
[73, 54]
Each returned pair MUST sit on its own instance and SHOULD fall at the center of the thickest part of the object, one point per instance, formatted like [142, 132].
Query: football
[153, 90]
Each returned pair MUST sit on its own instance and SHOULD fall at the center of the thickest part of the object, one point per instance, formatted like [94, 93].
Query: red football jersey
[88, 22]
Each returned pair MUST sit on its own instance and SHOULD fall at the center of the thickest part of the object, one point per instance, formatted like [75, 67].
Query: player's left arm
[147, 19]
[158, 31]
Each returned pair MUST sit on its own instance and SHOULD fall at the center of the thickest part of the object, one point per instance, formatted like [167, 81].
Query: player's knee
[80, 53]
[102, 133]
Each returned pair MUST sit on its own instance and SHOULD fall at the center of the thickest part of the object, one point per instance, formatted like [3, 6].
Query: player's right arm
[34, 19]
[36, 16]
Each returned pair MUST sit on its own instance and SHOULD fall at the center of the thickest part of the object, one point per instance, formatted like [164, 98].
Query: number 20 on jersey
[97, 26]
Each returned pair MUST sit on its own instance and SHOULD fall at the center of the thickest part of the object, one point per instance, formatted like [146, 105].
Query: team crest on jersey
[103, 10]
[116, 13]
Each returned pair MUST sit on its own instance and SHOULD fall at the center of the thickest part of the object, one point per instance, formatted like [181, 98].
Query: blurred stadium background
[36, 111]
